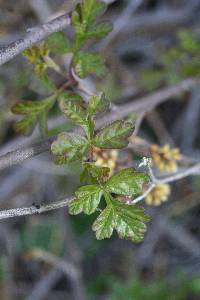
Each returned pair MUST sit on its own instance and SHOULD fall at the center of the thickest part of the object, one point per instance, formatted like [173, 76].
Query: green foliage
[84, 21]
[126, 182]
[114, 135]
[33, 112]
[98, 103]
[58, 43]
[86, 63]
[174, 63]
[87, 200]
[70, 146]
[127, 220]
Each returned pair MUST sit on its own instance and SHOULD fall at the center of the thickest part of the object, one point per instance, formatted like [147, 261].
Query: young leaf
[100, 30]
[86, 63]
[126, 182]
[95, 173]
[71, 146]
[58, 43]
[33, 111]
[98, 103]
[114, 135]
[87, 200]
[26, 125]
[129, 221]
[83, 19]
[104, 224]
[73, 110]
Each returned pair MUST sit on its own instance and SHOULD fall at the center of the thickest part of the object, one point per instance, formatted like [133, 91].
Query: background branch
[34, 36]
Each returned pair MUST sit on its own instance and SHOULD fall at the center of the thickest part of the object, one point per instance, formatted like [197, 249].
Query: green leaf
[71, 96]
[97, 103]
[129, 221]
[114, 135]
[87, 200]
[100, 30]
[26, 125]
[75, 110]
[83, 19]
[126, 182]
[71, 146]
[104, 224]
[34, 111]
[58, 43]
[86, 63]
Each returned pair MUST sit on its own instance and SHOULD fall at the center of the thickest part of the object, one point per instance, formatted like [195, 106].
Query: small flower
[165, 158]
[158, 195]
[106, 158]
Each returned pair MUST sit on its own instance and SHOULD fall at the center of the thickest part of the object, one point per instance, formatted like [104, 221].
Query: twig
[34, 36]
[194, 170]
[25, 211]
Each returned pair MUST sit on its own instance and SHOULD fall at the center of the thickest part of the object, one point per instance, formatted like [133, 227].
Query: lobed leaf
[71, 146]
[87, 200]
[58, 43]
[126, 182]
[26, 125]
[114, 135]
[104, 224]
[86, 63]
[128, 221]
[83, 19]
[98, 103]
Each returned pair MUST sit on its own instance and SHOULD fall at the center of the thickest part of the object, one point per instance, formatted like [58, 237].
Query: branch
[32, 210]
[194, 170]
[140, 106]
[32, 37]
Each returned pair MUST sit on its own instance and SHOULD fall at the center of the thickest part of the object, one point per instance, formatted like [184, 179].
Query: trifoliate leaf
[87, 200]
[71, 146]
[104, 224]
[129, 221]
[97, 103]
[58, 43]
[114, 135]
[126, 182]
[86, 63]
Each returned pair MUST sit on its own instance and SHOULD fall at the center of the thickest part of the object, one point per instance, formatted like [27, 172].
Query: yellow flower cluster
[165, 158]
[158, 195]
[35, 56]
[106, 158]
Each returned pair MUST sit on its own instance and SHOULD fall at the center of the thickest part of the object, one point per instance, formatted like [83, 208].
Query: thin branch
[32, 37]
[194, 170]
[141, 105]
[32, 210]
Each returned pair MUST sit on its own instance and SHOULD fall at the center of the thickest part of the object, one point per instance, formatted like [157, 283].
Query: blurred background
[154, 44]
